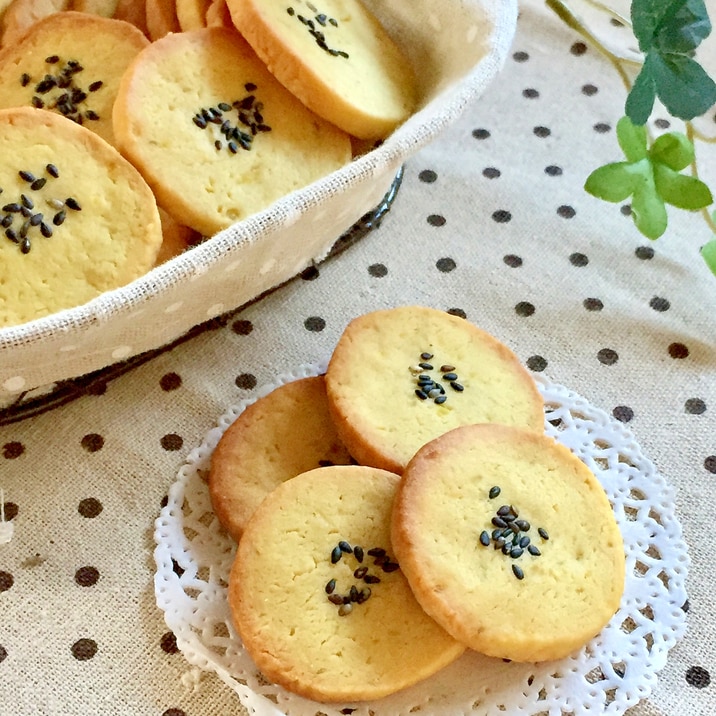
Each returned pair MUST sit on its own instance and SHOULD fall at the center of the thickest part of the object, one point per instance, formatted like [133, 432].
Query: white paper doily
[610, 674]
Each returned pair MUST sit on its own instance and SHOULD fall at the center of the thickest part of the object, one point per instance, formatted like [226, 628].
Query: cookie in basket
[402, 376]
[509, 542]
[77, 218]
[70, 63]
[317, 597]
[214, 133]
[336, 57]
[279, 436]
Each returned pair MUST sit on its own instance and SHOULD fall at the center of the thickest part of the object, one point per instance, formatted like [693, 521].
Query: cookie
[282, 434]
[191, 14]
[104, 8]
[176, 239]
[336, 57]
[21, 15]
[161, 18]
[310, 546]
[70, 63]
[217, 14]
[509, 542]
[400, 377]
[78, 219]
[213, 132]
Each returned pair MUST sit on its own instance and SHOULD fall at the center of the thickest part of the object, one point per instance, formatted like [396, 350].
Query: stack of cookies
[407, 506]
[217, 109]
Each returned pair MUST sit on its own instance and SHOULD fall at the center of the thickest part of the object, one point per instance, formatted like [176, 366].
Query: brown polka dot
[457, 312]
[578, 259]
[623, 413]
[607, 356]
[513, 260]
[87, 576]
[247, 381]
[524, 308]
[501, 216]
[542, 132]
[445, 265]
[553, 170]
[530, 93]
[12, 450]
[6, 581]
[10, 509]
[602, 127]
[710, 464]
[84, 649]
[578, 48]
[92, 442]
[170, 381]
[695, 406]
[90, 507]
[243, 327]
[520, 56]
[172, 441]
[314, 324]
[589, 90]
[698, 677]
[660, 304]
[678, 350]
[491, 173]
[3, 653]
[377, 270]
[566, 212]
[168, 643]
[593, 304]
[536, 363]
[644, 253]
[480, 133]
[174, 712]
[428, 176]
[436, 220]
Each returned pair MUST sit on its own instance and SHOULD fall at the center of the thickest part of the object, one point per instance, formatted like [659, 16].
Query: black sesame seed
[485, 538]
[331, 586]
[232, 147]
[459, 387]
[426, 366]
[24, 229]
[524, 541]
[250, 87]
[543, 533]
[506, 548]
[38, 184]
[345, 547]
[335, 599]
[534, 550]
[499, 522]
[290, 11]
[45, 230]
[12, 235]
[333, 21]
[450, 376]
[523, 525]
[29, 177]
[504, 510]
[13, 207]
[25, 246]
[37, 103]
[6, 220]
[52, 170]
[345, 609]
[426, 355]
[360, 572]
[517, 571]
[199, 121]
[36, 219]
[321, 19]
[27, 202]
[371, 579]
[336, 554]
[25, 79]
[72, 203]
[25, 212]
[224, 107]
[358, 553]
[422, 395]
[516, 552]
[217, 144]
[391, 567]
[52, 59]
[364, 595]
[441, 399]
[59, 217]
[95, 86]
[494, 492]
[353, 593]
[91, 115]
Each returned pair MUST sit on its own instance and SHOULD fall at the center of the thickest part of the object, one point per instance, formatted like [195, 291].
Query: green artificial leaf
[708, 251]
[673, 149]
[651, 177]
[668, 32]
[684, 192]
[632, 139]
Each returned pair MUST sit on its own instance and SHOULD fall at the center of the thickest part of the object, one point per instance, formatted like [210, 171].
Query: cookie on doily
[317, 597]
[281, 435]
[78, 218]
[70, 63]
[335, 57]
[402, 376]
[214, 133]
[509, 542]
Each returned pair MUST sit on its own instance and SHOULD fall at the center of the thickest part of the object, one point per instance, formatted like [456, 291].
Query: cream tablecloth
[491, 223]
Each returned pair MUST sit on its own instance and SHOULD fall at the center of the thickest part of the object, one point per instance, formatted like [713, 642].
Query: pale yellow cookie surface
[79, 221]
[70, 63]
[191, 14]
[378, 643]
[562, 576]
[375, 371]
[336, 57]
[169, 121]
[281, 435]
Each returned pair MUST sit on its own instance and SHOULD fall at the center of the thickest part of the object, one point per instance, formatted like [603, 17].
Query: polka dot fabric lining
[83, 508]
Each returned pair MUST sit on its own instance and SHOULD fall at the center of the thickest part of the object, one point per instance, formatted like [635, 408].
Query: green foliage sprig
[668, 33]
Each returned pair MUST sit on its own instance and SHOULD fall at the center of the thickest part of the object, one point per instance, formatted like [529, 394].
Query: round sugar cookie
[279, 436]
[402, 376]
[213, 132]
[509, 542]
[335, 57]
[319, 602]
[70, 63]
[78, 219]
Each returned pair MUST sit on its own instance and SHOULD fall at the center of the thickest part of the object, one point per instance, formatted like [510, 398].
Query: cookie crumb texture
[282, 595]
[77, 219]
[525, 606]
[378, 367]
[203, 100]
[336, 57]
